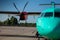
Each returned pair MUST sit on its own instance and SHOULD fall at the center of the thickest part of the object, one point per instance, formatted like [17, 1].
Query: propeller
[23, 8]
[21, 15]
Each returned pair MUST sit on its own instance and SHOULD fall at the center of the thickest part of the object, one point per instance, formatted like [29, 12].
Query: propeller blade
[25, 6]
[16, 7]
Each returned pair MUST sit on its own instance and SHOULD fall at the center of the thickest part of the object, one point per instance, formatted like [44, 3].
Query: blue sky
[33, 6]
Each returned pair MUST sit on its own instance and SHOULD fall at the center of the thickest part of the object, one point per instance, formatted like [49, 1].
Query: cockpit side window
[57, 14]
[48, 14]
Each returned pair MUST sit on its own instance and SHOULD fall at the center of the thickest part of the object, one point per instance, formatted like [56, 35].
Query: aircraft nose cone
[46, 25]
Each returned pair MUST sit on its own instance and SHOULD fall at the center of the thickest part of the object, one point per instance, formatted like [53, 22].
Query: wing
[9, 12]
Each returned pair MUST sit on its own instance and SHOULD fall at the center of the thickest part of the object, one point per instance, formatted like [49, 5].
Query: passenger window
[48, 14]
[57, 14]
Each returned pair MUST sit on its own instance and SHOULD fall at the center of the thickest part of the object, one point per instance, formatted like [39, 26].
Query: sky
[32, 6]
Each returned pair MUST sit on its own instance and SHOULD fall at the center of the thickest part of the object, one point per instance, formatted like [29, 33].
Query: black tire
[37, 35]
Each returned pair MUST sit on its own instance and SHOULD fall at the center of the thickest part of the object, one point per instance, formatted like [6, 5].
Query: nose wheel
[39, 37]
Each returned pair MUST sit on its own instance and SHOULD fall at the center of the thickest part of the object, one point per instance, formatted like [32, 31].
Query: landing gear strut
[39, 37]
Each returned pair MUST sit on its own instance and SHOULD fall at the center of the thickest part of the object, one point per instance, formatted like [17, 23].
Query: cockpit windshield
[48, 14]
[57, 14]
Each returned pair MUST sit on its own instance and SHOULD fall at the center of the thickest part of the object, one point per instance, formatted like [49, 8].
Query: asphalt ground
[17, 33]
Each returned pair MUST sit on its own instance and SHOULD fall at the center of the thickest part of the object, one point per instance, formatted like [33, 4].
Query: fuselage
[48, 25]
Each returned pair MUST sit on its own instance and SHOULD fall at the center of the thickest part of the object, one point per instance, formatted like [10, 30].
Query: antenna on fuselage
[52, 4]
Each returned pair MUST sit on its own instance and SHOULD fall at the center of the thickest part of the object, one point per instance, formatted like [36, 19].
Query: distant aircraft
[48, 24]
[22, 15]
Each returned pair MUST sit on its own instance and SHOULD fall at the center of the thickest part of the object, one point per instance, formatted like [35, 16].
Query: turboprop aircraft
[22, 15]
[48, 24]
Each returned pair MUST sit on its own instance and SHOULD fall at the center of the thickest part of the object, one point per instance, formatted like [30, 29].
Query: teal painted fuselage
[48, 25]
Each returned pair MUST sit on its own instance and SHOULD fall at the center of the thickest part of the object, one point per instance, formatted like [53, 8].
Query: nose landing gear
[39, 37]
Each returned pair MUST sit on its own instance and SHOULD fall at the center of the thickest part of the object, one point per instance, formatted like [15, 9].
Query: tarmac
[17, 33]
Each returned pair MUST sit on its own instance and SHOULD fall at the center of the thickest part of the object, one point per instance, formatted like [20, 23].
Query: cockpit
[50, 14]
[57, 14]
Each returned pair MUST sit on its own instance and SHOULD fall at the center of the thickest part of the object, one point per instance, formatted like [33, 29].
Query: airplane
[48, 24]
[23, 16]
